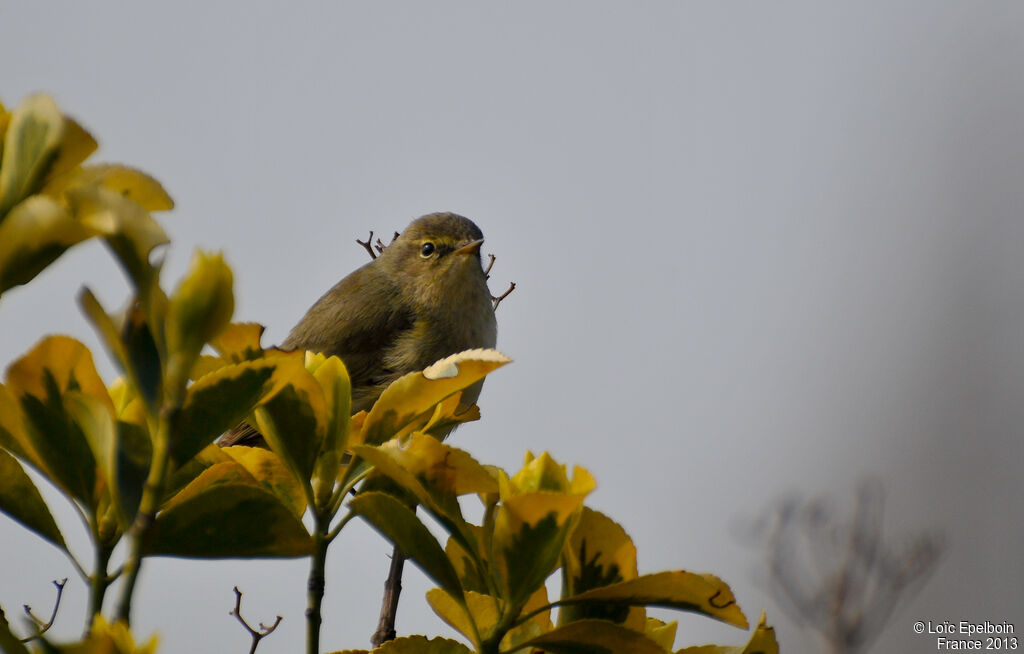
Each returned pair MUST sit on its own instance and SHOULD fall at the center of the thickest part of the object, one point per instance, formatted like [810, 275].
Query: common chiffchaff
[423, 298]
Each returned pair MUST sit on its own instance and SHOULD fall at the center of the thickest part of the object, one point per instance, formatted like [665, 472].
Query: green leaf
[762, 641]
[51, 439]
[217, 402]
[134, 453]
[35, 233]
[594, 637]
[415, 645]
[685, 591]
[467, 565]
[198, 310]
[226, 513]
[76, 144]
[133, 346]
[400, 525]
[20, 499]
[434, 472]
[121, 449]
[526, 554]
[99, 427]
[333, 378]
[266, 468]
[30, 145]
[9, 643]
[414, 394]
[436, 475]
[599, 553]
[12, 430]
[293, 420]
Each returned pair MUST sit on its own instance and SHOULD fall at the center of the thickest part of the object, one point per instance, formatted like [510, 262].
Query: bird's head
[437, 258]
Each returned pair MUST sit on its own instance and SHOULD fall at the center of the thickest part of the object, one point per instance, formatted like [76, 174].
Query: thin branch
[41, 626]
[367, 244]
[490, 264]
[380, 244]
[497, 300]
[257, 636]
[389, 605]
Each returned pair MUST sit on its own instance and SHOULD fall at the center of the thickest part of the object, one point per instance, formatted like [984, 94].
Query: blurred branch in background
[830, 570]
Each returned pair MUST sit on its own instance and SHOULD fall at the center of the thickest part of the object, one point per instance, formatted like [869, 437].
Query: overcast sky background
[760, 248]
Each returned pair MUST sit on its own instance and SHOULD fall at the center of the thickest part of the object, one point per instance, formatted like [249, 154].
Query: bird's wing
[357, 320]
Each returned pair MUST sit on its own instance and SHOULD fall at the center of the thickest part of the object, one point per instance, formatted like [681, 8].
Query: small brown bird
[423, 298]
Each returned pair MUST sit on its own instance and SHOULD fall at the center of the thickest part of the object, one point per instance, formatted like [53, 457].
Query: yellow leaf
[266, 468]
[599, 553]
[5, 119]
[333, 378]
[685, 591]
[535, 626]
[599, 636]
[442, 468]
[40, 382]
[113, 639]
[762, 641]
[600, 543]
[30, 144]
[240, 341]
[294, 420]
[531, 508]
[481, 618]
[35, 233]
[414, 645]
[418, 392]
[544, 474]
[215, 517]
[20, 499]
[76, 144]
[199, 309]
[132, 234]
[127, 182]
[661, 632]
[541, 488]
[65, 361]
[465, 564]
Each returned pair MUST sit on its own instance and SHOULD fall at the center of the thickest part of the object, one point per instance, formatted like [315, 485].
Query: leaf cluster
[137, 458]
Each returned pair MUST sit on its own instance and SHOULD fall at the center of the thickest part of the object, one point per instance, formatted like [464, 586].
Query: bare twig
[43, 627]
[835, 574]
[389, 605]
[380, 244]
[257, 636]
[490, 264]
[367, 244]
[497, 300]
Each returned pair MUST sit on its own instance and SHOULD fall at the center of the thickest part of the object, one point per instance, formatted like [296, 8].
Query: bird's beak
[470, 248]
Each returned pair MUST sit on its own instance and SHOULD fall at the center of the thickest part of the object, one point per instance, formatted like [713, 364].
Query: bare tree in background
[834, 574]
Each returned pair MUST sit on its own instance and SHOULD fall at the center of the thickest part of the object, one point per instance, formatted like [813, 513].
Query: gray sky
[759, 248]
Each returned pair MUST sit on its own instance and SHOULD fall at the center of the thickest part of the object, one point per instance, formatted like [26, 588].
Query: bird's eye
[427, 249]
